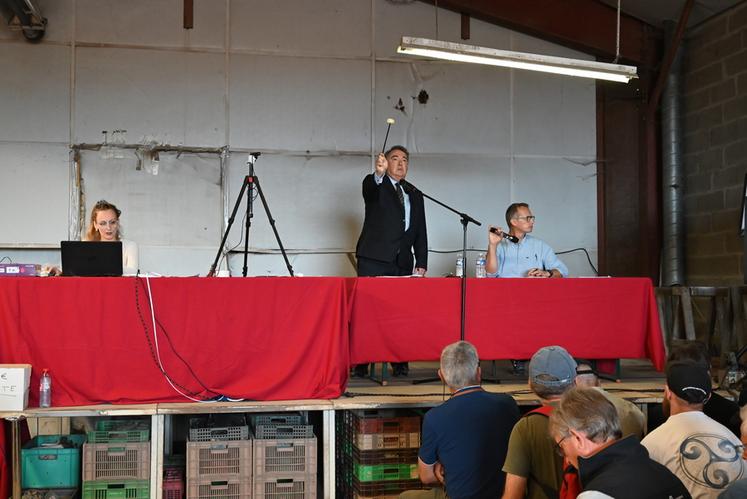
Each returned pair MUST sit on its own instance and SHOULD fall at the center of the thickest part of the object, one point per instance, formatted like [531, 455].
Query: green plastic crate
[379, 472]
[119, 430]
[48, 467]
[125, 489]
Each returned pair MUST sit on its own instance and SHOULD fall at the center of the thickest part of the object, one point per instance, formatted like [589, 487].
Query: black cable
[176, 352]
[588, 258]
[154, 355]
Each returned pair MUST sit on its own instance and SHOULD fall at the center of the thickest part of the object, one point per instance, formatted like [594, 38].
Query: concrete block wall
[715, 147]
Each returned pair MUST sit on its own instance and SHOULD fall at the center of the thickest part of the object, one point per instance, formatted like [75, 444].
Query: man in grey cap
[533, 468]
[703, 453]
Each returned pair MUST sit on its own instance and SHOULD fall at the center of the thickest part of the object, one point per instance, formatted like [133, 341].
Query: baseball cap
[552, 366]
[690, 381]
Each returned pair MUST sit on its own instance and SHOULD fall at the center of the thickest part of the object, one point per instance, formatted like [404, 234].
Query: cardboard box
[14, 386]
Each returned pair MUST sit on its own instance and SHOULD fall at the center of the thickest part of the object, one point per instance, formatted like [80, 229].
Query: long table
[256, 339]
[413, 319]
[295, 338]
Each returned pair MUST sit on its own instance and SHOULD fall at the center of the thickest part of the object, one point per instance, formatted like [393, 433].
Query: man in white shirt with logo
[703, 453]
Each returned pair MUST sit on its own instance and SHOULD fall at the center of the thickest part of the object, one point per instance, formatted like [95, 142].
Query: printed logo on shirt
[711, 460]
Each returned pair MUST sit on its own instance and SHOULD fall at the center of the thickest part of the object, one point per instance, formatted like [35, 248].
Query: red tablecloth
[285, 338]
[413, 319]
[262, 338]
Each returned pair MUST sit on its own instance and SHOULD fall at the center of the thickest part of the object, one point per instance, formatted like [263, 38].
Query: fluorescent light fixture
[459, 52]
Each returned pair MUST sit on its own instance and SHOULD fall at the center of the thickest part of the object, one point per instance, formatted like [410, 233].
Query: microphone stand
[465, 220]
[250, 182]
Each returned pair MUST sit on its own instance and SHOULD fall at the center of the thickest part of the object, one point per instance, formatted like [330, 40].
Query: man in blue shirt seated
[465, 439]
[528, 256]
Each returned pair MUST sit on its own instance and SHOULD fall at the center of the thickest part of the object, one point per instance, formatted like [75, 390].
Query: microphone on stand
[511, 238]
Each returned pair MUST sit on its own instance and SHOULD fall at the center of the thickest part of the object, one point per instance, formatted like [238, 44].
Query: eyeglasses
[558, 448]
[528, 218]
[110, 223]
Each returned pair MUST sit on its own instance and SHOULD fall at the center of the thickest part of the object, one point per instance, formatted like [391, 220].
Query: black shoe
[519, 367]
[360, 371]
[400, 369]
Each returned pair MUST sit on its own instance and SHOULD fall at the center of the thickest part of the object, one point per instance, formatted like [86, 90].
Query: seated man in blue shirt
[528, 257]
[465, 439]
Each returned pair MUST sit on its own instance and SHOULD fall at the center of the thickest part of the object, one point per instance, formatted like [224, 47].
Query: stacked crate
[377, 453]
[285, 457]
[219, 457]
[50, 466]
[116, 460]
[173, 476]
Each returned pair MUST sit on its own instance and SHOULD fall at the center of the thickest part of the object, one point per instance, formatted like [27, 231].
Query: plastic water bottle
[459, 265]
[480, 266]
[45, 389]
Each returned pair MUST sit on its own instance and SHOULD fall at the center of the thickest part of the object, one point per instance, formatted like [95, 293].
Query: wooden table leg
[15, 424]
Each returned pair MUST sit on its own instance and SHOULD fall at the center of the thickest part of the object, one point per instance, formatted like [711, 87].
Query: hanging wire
[617, 40]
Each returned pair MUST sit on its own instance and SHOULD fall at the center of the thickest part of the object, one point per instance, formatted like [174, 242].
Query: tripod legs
[250, 183]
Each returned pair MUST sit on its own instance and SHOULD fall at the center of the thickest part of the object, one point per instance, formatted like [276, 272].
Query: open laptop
[91, 258]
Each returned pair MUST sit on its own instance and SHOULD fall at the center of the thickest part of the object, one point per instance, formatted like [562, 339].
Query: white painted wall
[310, 85]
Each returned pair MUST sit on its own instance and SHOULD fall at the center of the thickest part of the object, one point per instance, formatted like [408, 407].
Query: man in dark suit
[394, 227]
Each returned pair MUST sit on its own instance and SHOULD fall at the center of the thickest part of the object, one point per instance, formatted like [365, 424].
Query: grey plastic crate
[219, 488]
[116, 461]
[288, 487]
[284, 431]
[229, 458]
[273, 457]
[277, 418]
[218, 427]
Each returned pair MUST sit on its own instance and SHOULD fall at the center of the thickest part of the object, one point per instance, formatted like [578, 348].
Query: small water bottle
[45, 389]
[480, 266]
[459, 265]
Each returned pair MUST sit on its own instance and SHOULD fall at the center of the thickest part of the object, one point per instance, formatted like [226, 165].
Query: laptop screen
[91, 258]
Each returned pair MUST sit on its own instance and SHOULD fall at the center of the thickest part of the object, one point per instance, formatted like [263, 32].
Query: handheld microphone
[511, 238]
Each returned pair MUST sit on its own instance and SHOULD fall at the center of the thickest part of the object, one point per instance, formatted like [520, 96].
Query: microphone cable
[155, 350]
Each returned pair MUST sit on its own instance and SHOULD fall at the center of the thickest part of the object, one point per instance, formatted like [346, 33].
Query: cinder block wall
[715, 146]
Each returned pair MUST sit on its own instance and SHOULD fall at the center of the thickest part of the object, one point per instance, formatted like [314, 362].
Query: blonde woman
[104, 225]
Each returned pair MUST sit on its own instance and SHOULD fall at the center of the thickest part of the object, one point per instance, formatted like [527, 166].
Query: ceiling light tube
[474, 54]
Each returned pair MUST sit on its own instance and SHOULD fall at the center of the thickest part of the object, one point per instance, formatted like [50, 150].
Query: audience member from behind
[465, 439]
[586, 430]
[703, 453]
[718, 408]
[104, 225]
[533, 468]
[632, 420]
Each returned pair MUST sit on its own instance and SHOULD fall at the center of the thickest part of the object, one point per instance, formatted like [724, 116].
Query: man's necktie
[400, 194]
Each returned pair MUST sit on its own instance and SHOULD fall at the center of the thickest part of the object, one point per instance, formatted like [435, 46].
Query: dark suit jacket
[383, 237]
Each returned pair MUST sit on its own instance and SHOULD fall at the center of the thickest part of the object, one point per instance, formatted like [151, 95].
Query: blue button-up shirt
[516, 259]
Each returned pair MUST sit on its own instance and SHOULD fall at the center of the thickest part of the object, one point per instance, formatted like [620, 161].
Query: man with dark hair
[393, 227]
[465, 438]
[704, 454]
[533, 468]
[586, 429]
[717, 407]
[529, 257]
